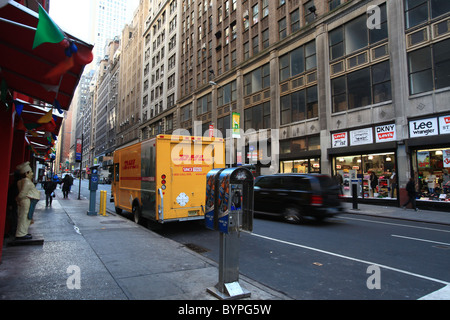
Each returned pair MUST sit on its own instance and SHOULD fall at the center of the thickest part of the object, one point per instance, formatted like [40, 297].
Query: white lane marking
[441, 294]
[418, 239]
[393, 224]
[352, 259]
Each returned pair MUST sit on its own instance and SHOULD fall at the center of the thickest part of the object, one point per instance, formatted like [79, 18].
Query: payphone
[93, 186]
[229, 200]
[229, 209]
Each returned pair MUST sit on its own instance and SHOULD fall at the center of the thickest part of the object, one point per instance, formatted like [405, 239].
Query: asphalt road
[346, 257]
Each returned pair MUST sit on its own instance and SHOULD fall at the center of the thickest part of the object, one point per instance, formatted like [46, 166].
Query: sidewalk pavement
[112, 258]
[115, 259]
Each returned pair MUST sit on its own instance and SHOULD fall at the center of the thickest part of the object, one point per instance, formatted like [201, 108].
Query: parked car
[295, 196]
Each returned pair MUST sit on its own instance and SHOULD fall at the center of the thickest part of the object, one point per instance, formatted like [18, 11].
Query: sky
[71, 16]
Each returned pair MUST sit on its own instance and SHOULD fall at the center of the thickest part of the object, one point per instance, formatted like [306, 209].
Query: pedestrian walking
[411, 189]
[66, 184]
[49, 188]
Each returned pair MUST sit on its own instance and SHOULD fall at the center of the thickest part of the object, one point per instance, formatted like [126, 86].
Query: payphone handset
[93, 180]
[235, 200]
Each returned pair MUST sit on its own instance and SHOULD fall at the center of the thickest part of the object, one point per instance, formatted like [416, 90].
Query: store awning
[37, 72]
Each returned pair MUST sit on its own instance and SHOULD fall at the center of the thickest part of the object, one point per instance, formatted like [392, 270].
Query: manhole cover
[196, 248]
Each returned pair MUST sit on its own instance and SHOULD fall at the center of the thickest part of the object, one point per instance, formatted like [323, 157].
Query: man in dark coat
[411, 189]
[49, 187]
[66, 184]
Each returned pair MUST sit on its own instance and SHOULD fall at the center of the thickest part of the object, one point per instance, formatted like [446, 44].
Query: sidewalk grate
[195, 248]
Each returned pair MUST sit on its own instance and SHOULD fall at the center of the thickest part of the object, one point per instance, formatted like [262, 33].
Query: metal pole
[81, 164]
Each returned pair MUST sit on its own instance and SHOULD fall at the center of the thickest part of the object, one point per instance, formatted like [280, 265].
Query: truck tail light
[316, 200]
[163, 181]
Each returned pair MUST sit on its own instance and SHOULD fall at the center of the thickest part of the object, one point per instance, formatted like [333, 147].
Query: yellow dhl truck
[164, 178]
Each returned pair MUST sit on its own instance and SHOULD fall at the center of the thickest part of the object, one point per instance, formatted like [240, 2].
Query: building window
[265, 39]
[265, 8]
[204, 104]
[257, 117]
[429, 67]
[309, 14]
[185, 113]
[354, 35]
[255, 13]
[298, 61]
[257, 80]
[332, 4]
[295, 20]
[420, 11]
[299, 105]
[362, 87]
[246, 50]
[226, 94]
[255, 44]
[282, 32]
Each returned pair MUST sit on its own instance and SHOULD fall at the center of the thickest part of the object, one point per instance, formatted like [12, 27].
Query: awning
[32, 71]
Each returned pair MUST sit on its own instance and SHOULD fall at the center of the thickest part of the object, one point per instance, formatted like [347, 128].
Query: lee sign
[423, 127]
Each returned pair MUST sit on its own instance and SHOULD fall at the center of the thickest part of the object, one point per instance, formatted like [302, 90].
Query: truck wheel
[136, 211]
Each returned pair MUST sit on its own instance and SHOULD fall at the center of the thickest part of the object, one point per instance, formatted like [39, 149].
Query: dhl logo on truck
[130, 164]
[191, 157]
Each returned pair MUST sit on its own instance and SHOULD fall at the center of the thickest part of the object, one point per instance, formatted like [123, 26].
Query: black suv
[294, 196]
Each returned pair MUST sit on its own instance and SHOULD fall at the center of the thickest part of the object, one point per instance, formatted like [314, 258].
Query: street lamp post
[212, 83]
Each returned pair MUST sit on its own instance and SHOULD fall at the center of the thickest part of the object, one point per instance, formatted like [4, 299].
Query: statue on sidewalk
[26, 201]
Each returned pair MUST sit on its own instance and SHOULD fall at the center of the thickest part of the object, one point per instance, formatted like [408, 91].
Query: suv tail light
[316, 200]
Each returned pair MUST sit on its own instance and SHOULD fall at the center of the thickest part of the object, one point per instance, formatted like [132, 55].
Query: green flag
[47, 30]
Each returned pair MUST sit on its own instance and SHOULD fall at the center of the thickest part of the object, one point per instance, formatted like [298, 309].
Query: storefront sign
[385, 133]
[446, 158]
[444, 124]
[423, 128]
[361, 136]
[339, 140]
[423, 159]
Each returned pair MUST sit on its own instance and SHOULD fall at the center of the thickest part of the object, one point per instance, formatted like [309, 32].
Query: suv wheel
[292, 214]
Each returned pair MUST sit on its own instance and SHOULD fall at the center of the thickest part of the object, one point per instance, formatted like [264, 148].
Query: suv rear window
[297, 183]
[325, 182]
[269, 183]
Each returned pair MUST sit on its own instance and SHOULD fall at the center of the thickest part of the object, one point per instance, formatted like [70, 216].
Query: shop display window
[310, 165]
[431, 169]
[374, 175]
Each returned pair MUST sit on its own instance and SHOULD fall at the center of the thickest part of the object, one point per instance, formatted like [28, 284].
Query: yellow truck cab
[164, 178]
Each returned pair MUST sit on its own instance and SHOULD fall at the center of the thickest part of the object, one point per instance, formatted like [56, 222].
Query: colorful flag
[47, 30]
[46, 118]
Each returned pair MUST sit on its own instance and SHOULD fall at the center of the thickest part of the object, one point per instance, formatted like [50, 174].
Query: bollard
[102, 210]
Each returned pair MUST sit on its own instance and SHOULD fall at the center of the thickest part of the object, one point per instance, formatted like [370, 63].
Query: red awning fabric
[26, 70]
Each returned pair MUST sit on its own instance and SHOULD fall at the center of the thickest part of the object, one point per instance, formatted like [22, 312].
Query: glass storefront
[374, 174]
[431, 172]
[310, 165]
